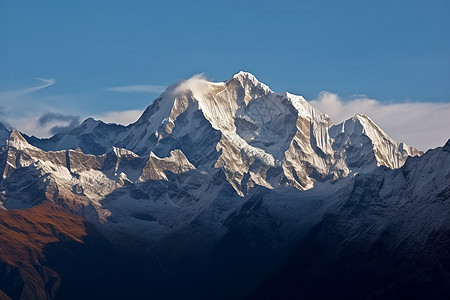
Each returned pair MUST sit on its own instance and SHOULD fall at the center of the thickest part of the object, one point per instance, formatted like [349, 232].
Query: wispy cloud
[43, 115]
[20, 102]
[24, 91]
[137, 89]
[47, 83]
[423, 125]
[26, 110]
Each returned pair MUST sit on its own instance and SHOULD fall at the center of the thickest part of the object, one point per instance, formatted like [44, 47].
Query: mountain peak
[90, 122]
[244, 74]
[361, 116]
[16, 140]
[246, 78]
[247, 130]
[359, 124]
[360, 131]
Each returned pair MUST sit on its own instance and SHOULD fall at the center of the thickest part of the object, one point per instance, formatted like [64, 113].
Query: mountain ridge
[219, 182]
[255, 130]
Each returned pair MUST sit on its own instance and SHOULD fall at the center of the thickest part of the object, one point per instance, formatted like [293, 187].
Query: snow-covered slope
[257, 137]
[362, 143]
[73, 179]
[91, 136]
[211, 167]
[197, 152]
[197, 145]
[385, 237]
[200, 154]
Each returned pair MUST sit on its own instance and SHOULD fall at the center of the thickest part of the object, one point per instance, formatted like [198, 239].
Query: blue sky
[391, 51]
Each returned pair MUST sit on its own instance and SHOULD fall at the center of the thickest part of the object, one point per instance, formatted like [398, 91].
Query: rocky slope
[198, 144]
[256, 136]
[388, 238]
[47, 253]
[218, 182]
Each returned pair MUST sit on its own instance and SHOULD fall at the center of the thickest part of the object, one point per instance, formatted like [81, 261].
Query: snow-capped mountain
[216, 178]
[256, 136]
[196, 145]
[386, 237]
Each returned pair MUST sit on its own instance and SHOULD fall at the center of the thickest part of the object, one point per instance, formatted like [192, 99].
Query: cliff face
[387, 238]
[213, 189]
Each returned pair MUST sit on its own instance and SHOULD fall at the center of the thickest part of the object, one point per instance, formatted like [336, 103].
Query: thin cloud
[20, 103]
[424, 125]
[47, 82]
[20, 92]
[137, 89]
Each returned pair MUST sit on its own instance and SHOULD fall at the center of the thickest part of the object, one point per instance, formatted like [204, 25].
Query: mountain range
[223, 190]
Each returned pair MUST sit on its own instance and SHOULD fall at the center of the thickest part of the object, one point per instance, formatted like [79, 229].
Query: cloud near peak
[423, 125]
[197, 84]
[61, 123]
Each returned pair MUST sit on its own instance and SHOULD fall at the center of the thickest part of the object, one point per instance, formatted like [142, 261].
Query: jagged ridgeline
[219, 178]
[240, 127]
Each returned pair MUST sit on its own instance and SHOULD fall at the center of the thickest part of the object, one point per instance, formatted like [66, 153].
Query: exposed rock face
[211, 167]
[363, 144]
[387, 238]
[156, 167]
[194, 143]
[257, 137]
[73, 179]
